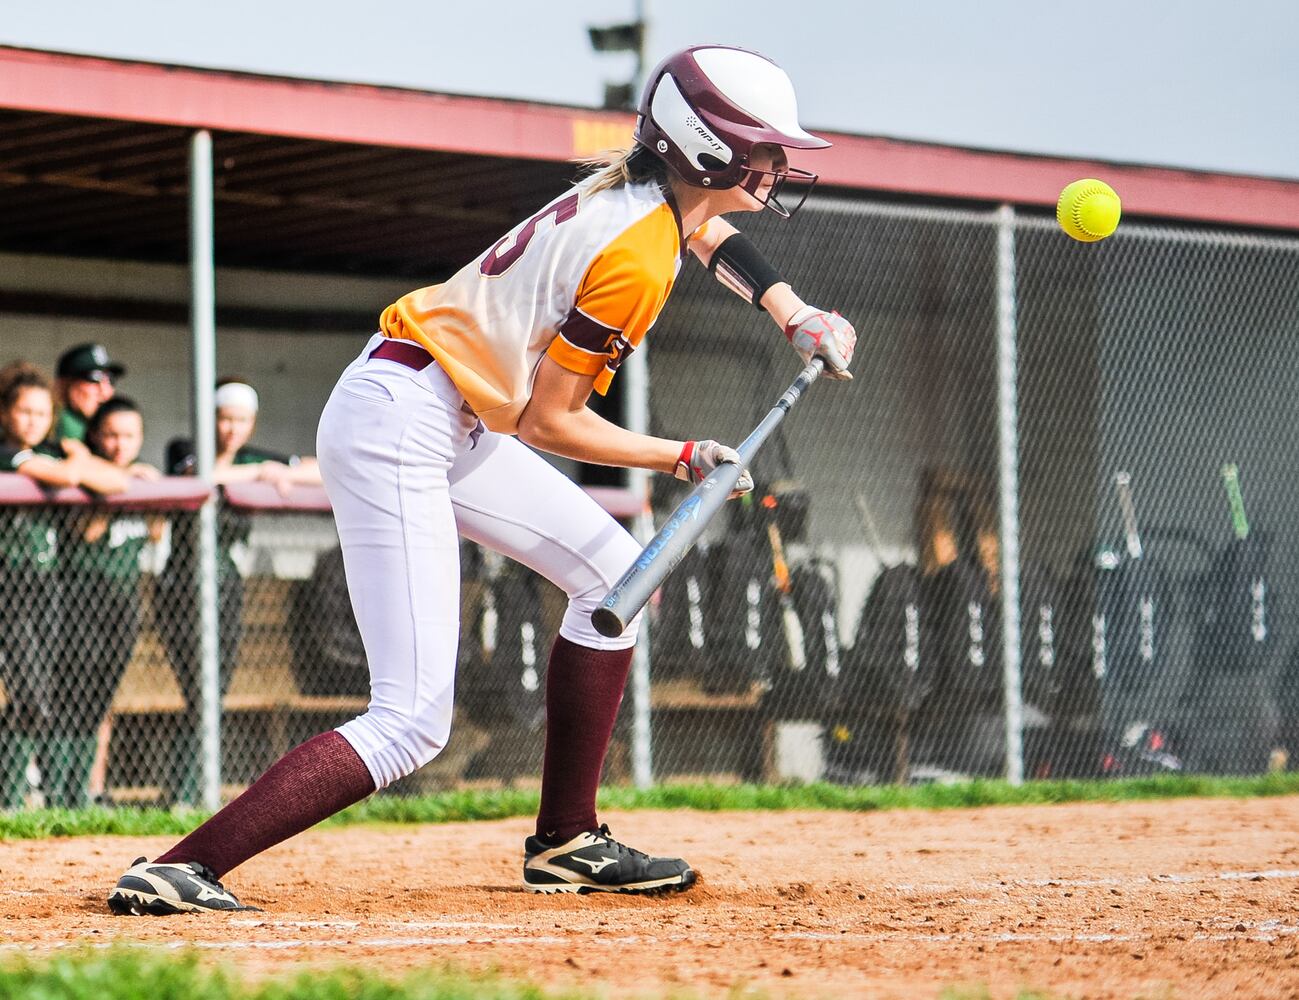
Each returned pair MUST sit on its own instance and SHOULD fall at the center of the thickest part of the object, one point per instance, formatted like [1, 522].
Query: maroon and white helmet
[705, 108]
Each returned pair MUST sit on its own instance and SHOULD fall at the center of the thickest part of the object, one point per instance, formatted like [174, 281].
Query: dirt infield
[1192, 898]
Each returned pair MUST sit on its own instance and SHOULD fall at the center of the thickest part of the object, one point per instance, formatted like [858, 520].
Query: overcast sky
[1191, 83]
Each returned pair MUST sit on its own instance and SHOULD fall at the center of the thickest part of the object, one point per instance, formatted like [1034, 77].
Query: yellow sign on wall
[591, 136]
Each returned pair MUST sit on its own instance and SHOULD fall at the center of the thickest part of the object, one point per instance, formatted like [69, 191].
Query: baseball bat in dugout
[680, 532]
[1123, 486]
[1235, 500]
[794, 638]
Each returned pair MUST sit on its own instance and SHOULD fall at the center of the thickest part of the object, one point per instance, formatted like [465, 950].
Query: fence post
[203, 338]
[636, 371]
[1008, 489]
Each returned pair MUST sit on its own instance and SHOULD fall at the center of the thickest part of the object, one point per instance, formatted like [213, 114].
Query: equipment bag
[963, 635]
[503, 674]
[1232, 710]
[685, 618]
[1134, 660]
[1044, 658]
[886, 669]
[746, 637]
[803, 683]
[328, 655]
[884, 679]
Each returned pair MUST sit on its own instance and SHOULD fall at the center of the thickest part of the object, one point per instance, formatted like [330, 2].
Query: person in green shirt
[237, 461]
[86, 379]
[30, 586]
[99, 569]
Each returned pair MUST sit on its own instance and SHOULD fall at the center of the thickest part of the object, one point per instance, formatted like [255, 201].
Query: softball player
[99, 568]
[424, 436]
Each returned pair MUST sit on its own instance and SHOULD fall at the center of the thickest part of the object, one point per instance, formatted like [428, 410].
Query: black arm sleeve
[740, 266]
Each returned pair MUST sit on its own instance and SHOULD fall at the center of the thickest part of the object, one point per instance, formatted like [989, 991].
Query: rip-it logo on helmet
[703, 133]
[705, 108]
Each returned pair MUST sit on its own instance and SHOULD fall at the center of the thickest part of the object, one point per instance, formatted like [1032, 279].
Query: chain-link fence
[844, 622]
[101, 663]
[95, 614]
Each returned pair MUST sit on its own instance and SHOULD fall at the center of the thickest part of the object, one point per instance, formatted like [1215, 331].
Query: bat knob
[608, 622]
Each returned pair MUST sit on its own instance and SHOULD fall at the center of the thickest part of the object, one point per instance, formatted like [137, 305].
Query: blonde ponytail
[615, 167]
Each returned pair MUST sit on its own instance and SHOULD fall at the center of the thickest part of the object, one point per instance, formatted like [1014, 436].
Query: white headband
[236, 394]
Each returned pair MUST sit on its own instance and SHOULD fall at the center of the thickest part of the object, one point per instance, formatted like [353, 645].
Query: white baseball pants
[406, 468]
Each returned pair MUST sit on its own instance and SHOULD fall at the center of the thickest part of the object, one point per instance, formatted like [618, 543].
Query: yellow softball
[1088, 210]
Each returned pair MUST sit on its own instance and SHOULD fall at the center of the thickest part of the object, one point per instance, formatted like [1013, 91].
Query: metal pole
[636, 372]
[203, 338]
[638, 75]
[1008, 487]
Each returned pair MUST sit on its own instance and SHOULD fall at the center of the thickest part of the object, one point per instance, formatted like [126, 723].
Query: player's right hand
[699, 458]
[816, 333]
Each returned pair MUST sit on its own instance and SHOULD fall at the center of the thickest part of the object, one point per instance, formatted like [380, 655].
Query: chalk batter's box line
[1186, 878]
[1266, 932]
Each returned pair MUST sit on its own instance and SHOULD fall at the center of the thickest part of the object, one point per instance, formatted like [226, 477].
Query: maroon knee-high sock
[583, 692]
[309, 783]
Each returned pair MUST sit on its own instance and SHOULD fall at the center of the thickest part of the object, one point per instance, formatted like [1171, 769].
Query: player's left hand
[278, 475]
[816, 333]
[699, 458]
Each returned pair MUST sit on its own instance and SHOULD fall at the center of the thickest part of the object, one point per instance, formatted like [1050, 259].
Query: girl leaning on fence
[99, 566]
[30, 585]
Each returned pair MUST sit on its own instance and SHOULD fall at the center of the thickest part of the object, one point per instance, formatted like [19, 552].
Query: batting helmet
[705, 108]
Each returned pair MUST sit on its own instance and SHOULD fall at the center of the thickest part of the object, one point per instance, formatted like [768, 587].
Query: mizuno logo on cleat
[596, 866]
[205, 893]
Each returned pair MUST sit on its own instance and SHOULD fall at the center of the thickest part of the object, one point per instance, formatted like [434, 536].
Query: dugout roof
[345, 178]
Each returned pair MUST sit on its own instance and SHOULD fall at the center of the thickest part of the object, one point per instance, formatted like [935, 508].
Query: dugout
[330, 200]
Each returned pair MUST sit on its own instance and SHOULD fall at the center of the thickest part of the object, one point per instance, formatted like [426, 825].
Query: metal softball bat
[666, 549]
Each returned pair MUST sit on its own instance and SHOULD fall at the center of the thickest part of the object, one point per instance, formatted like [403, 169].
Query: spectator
[99, 565]
[26, 417]
[236, 461]
[29, 585]
[86, 380]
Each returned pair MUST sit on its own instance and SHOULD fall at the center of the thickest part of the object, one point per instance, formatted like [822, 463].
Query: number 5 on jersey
[498, 261]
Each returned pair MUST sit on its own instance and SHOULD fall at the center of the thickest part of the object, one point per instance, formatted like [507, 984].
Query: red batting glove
[699, 458]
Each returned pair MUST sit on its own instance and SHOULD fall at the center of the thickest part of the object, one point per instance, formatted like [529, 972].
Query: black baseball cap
[88, 361]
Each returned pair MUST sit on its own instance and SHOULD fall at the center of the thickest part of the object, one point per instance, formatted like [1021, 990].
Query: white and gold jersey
[581, 281]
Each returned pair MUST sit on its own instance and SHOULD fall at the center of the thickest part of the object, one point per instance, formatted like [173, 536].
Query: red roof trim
[79, 85]
[951, 172]
[145, 92]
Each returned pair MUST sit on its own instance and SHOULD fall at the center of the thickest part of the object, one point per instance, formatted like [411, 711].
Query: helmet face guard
[804, 179]
[704, 110]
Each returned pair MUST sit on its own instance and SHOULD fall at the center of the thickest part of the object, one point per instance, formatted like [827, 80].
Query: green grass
[126, 973]
[137, 973]
[474, 805]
